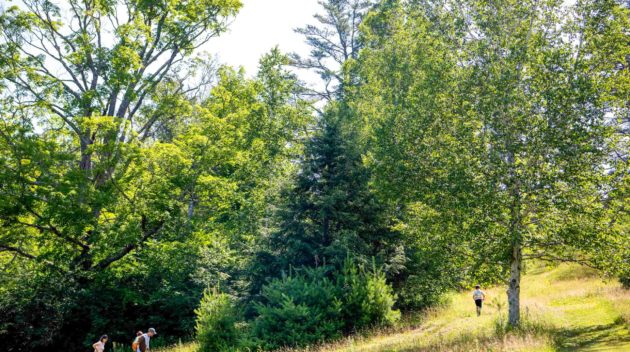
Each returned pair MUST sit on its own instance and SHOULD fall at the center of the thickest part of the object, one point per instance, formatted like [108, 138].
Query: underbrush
[564, 308]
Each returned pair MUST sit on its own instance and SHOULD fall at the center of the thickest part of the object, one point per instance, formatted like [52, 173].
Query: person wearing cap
[145, 339]
[479, 297]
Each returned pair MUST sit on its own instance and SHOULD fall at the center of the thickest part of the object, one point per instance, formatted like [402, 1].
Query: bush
[216, 323]
[298, 310]
[624, 271]
[367, 298]
[309, 307]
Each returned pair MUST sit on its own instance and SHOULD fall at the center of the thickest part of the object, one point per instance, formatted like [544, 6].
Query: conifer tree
[330, 212]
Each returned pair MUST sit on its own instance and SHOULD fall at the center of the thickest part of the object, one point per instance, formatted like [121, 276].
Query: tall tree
[84, 73]
[330, 213]
[335, 42]
[209, 183]
[420, 148]
[494, 120]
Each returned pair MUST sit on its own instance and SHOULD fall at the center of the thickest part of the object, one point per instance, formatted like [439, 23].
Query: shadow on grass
[602, 336]
[611, 337]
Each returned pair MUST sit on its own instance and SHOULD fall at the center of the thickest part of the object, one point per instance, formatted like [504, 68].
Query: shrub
[298, 310]
[379, 301]
[216, 322]
[367, 298]
[309, 307]
[624, 276]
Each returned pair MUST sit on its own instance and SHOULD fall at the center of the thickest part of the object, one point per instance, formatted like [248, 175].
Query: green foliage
[298, 310]
[309, 307]
[216, 322]
[459, 139]
[329, 211]
[489, 118]
[33, 308]
[335, 45]
[436, 264]
[368, 300]
[140, 244]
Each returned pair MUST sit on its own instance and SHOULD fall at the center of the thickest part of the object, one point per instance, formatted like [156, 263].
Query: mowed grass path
[567, 308]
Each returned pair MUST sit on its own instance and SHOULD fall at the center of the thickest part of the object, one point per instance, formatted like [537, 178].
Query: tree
[265, 120]
[420, 147]
[178, 180]
[83, 72]
[493, 119]
[334, 43]
[330, 212]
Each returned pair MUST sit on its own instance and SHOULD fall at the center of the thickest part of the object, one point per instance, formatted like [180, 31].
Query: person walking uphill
[145, 339]
[479, 297]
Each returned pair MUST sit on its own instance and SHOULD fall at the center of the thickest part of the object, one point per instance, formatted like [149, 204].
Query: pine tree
[330, 212]
[335, 42]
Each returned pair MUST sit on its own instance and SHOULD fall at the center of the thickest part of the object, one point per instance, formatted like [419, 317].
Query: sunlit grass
[190, 347]
[565, 308]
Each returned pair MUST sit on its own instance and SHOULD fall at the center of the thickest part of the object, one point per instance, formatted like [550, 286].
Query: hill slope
[567, 308]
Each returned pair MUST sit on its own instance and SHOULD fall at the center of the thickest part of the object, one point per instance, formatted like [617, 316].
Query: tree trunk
[86, 155]
[514, 288]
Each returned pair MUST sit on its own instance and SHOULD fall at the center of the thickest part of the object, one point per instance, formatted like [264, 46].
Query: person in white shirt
[479, 297]
[100, 345]
[145, 339]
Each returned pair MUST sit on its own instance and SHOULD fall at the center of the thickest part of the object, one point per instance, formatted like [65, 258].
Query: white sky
[259, 26]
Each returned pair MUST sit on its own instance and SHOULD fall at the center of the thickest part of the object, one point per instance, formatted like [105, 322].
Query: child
[136, 341]
[100, 345]
[479, 297]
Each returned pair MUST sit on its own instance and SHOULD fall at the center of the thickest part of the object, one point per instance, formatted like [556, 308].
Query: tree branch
[552, 258]
[23, 254]
[103, 264]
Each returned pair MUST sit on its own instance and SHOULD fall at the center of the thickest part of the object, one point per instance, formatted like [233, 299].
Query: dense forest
[449, 143]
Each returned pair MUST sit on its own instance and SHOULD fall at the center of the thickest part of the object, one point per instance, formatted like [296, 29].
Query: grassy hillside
[567, 308]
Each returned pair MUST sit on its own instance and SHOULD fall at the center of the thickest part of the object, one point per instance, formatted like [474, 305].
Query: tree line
[449, 143]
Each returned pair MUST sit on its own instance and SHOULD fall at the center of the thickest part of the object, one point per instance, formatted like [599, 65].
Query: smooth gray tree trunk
[514, 287]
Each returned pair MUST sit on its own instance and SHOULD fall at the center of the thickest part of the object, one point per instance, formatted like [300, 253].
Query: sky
[258, 27]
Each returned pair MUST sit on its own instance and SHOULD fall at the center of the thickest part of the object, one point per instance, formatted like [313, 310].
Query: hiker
[136, 341]
[479, 297]
[100, 345]
[144, 340]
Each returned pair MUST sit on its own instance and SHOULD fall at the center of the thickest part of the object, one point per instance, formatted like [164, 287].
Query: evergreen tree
[330, 212]
[335, 43]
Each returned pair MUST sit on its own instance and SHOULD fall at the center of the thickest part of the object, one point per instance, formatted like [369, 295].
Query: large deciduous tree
[78, 81]
[117, 176]
[496, 122]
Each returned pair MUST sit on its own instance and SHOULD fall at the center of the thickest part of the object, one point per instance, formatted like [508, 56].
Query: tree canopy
[452, 142]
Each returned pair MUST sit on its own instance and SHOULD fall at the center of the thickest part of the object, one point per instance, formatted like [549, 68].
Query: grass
[191, 347]
[564, 308]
